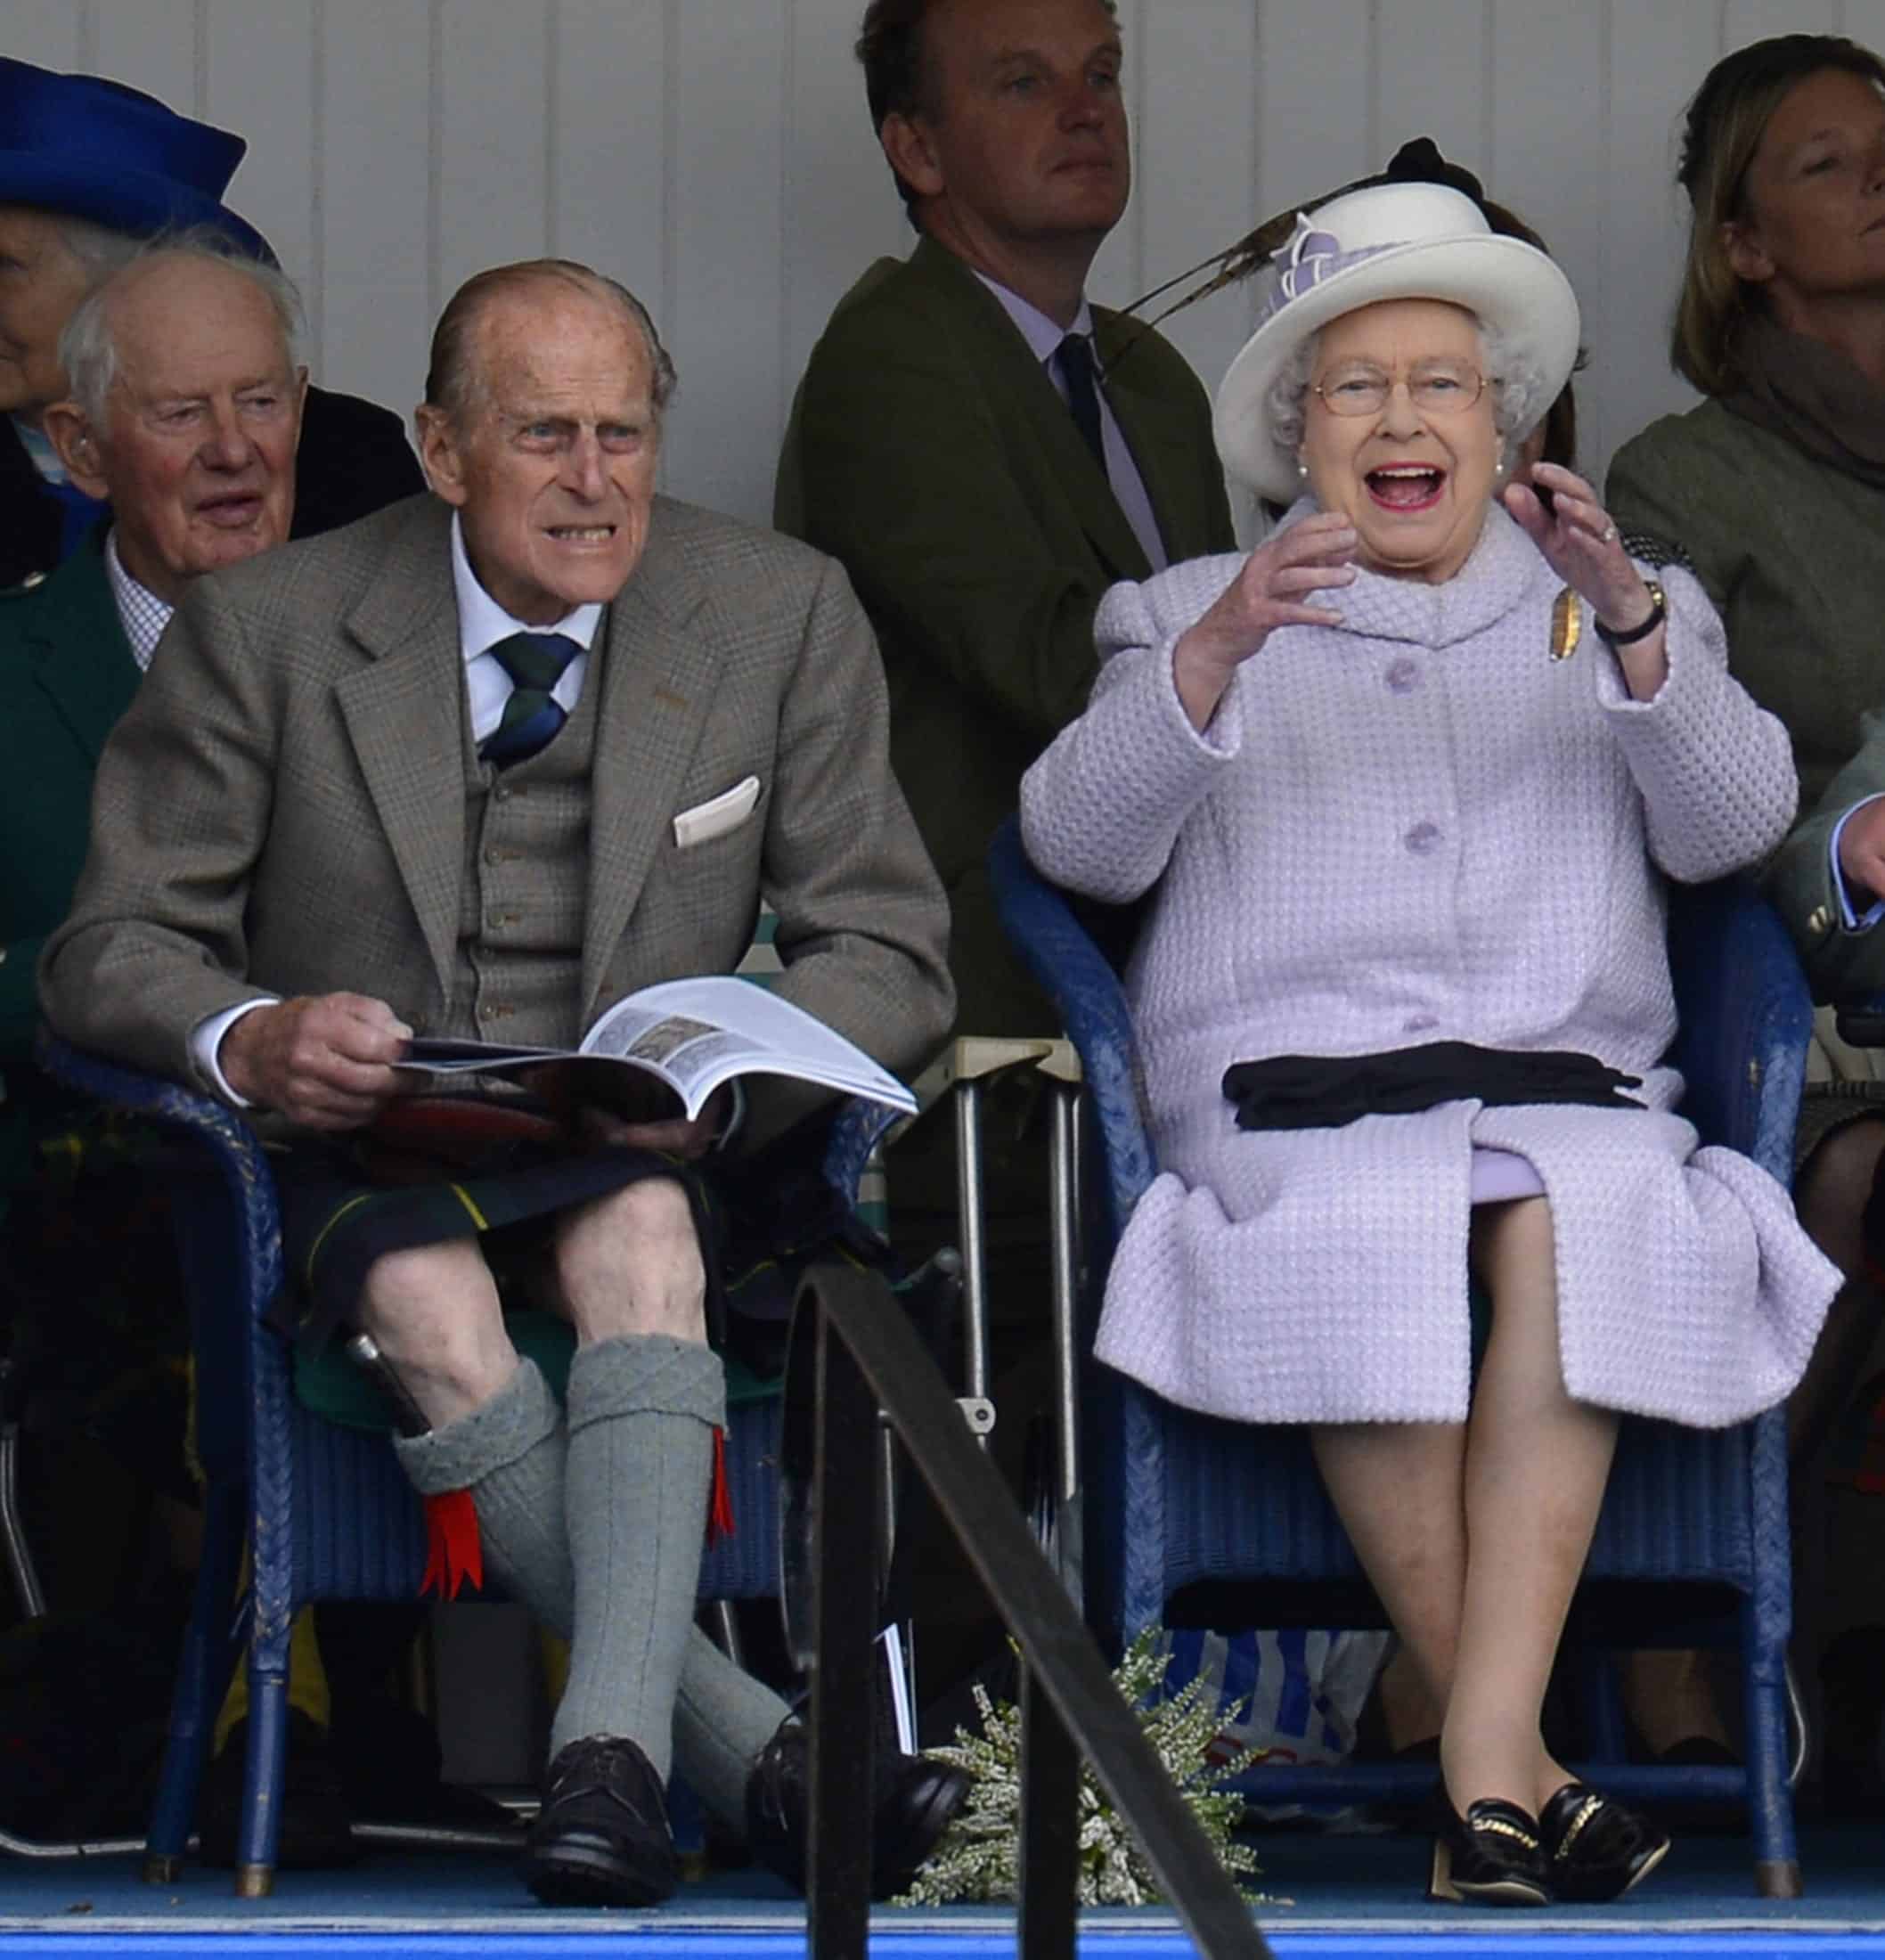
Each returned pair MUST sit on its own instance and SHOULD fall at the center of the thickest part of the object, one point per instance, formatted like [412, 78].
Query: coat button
[1820, 919]
[1403, 676]
[1423, 838]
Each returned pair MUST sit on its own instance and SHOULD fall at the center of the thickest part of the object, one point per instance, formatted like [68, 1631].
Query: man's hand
[1861, 855]
[322, 1060]
[678, 1138]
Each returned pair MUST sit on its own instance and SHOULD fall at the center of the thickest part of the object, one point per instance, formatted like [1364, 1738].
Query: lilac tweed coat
[1420, 827]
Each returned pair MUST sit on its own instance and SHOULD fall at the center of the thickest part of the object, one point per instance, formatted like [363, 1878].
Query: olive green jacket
[66, 675]
[930, 452]
[1843, 963]
[1793, 553]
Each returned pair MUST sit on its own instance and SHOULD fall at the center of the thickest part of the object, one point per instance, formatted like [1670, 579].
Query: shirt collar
[482, 622]
[140, 612]
[1041, 333]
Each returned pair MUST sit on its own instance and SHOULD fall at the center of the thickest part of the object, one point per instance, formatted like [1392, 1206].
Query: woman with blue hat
[89, 168]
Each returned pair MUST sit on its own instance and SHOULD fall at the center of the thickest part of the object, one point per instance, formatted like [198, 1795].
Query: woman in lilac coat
[1406, 783]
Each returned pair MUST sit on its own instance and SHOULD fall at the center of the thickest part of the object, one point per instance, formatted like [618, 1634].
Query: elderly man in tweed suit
[425, 775]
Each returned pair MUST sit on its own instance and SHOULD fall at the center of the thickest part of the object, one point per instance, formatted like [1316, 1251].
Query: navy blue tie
[535, 662]
[1076, 369]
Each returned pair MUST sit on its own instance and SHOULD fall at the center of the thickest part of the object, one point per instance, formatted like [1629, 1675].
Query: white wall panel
[1865, 21]
[726, 315]
[1658, 56]
[1431, 77]
[375, 190]
[717, 155]
[1194, 199]
[490, 137]
[273, 188]
[608, 142]
[1744, 21]
[45, 31]
[153, 44]
[1549, 113]
[841, 209]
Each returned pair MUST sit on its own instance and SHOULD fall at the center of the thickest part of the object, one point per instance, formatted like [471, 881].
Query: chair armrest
[858, 1129]
[1086, 993]
[1745, 1018]
[151, 1096]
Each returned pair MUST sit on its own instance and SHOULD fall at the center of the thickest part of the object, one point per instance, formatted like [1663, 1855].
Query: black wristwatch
[1659, 611]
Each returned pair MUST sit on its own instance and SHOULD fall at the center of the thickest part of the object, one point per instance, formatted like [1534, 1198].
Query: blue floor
[1327, 1898]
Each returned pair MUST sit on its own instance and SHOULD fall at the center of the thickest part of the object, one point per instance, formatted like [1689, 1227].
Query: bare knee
[631, 1263]
[434, 1313]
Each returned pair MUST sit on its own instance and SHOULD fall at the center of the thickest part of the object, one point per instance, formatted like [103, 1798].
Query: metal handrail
[855, 1353]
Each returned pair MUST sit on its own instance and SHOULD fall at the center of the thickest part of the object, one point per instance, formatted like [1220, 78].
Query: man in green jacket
[185, 416]
[983, 450]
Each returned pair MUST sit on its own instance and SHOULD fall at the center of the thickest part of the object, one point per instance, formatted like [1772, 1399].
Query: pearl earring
[1302, 469]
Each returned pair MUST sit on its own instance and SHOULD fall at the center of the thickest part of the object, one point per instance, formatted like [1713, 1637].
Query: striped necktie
[535, 662]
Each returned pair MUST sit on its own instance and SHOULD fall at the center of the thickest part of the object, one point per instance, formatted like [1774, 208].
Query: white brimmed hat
[1390, 241]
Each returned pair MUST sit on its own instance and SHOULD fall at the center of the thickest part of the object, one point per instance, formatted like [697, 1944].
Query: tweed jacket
[66, 675]
[931, 454]
[282, 810]
[1420, 827]
[1791, 553]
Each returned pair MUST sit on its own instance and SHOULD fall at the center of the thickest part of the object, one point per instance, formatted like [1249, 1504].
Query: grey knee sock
[642, 1410]
[509, 1455]
[723, 1719]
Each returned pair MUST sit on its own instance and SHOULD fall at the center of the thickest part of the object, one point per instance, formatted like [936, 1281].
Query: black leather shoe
[1594, 1848]
[915, 1798]
[601, 1838]
[1493, 1856]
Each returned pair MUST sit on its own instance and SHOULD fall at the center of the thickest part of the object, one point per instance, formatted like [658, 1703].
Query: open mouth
[1406, 486]
[582, 534]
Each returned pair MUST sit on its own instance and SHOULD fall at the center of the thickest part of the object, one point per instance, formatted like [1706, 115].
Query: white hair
[87, 347]
[1518, 391]
[98, 247]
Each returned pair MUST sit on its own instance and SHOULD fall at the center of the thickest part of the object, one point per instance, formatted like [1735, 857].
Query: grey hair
[1518, 403]
[455, 378]
[87, 348]
[98, 247]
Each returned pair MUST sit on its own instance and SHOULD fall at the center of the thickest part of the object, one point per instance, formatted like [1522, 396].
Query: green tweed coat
[931, 454]
[66, 675]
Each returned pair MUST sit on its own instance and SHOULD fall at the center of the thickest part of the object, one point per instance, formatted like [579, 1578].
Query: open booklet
[691, 1035]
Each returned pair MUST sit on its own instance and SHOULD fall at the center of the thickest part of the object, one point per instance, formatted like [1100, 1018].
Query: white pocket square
[718, 815]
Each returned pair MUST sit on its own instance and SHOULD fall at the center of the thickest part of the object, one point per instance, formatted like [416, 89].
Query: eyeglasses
[1436, 387]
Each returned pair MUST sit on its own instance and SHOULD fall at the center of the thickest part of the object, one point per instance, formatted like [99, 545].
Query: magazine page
[699, 1034]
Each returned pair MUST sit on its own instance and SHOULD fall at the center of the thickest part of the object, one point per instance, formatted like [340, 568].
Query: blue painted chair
[326, 1510]
[1190, 1520]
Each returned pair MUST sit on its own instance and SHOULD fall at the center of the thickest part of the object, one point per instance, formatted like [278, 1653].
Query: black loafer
[915, 1798]
[602, 1837]
[1594, 1849]
[1491, 1856]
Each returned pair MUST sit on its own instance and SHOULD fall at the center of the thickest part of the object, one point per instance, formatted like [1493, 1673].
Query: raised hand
[1581, 545]
[1272, 589]
[323, 1060]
